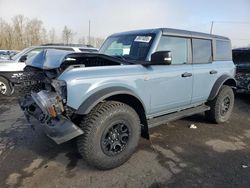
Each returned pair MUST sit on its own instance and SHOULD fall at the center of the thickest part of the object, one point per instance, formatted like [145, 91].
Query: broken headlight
[60, 87]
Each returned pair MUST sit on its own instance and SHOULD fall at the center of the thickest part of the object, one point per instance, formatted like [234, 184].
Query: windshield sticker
[125, 51]
[143, 39]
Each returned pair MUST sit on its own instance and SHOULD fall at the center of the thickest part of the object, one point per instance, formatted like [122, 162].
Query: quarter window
[178, 47]
[223, 50]
[202, 51]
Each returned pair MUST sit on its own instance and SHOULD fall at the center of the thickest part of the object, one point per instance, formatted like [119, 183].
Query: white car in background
[7, 54]
[10, 69]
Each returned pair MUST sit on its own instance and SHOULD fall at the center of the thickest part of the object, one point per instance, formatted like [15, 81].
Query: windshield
[129, 47]
[241, 57]
[19, 54]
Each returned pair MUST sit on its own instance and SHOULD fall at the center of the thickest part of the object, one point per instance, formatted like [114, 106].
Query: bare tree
[19, 28]
[67, 35]
[81, 40]
[35, 34]
[52, 36]
[6, 35]
[22, 32]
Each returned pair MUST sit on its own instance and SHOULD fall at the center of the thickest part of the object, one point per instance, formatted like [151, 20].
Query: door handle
[213, 72]
[186, 74]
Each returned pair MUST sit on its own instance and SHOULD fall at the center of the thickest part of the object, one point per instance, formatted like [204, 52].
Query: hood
[243, 67]
[5, 60]
[52, 59]
[48, 59]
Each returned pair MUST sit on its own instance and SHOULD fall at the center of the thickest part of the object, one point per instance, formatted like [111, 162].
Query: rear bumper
[59, 128]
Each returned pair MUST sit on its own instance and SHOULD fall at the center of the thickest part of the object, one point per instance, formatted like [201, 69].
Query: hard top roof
[175, 32]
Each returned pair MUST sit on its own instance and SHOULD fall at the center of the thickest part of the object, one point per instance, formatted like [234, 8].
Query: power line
[198, 25]
[231, 22]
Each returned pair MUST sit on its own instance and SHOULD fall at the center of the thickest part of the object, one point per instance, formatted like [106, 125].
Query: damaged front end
[44, 97]
[46, 108]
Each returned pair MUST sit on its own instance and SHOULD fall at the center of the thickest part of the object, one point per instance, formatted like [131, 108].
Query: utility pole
[211, 29]
[89, 34]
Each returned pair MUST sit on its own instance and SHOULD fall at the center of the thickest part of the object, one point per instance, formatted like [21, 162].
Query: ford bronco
[138, 80]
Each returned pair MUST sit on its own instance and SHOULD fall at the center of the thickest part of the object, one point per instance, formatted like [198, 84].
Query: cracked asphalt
[176, 156]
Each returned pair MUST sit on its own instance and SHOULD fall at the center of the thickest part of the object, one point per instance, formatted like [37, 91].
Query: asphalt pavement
[176, 156]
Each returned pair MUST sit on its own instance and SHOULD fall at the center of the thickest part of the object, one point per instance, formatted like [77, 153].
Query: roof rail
[72, 45]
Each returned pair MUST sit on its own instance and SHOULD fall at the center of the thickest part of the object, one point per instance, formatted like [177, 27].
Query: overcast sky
[110, 16]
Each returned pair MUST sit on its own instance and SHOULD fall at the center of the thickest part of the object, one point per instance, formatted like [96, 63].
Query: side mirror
[161, 58]
[23, 58]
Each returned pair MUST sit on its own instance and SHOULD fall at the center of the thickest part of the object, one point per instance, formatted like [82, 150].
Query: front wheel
[221, 106]
[111, 134]
[5, 88]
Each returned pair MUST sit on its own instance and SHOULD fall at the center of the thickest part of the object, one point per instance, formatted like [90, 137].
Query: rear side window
[202, 51]
[223, 50]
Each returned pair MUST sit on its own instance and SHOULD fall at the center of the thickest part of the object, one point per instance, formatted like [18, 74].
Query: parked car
[140, 79]
[7, 54]
[10, 69]
[241, 57]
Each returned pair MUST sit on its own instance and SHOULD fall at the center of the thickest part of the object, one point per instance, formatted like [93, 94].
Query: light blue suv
[139, 79]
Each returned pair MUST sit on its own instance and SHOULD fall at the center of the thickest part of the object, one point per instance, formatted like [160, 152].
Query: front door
[170, 86]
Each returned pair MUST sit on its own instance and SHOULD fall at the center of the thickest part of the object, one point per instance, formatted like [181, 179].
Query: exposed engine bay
[43, 97]
[39, 73]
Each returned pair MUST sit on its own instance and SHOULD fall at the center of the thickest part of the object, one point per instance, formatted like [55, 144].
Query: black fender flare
[219, 82]
[101, 95]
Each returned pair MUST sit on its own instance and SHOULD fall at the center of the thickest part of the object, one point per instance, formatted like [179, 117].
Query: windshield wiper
[120, 57]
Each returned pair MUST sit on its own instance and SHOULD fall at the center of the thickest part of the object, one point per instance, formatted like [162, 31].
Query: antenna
[89, 34]
[211, 29]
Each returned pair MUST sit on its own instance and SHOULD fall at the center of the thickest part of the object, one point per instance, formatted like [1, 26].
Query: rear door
[204, 71]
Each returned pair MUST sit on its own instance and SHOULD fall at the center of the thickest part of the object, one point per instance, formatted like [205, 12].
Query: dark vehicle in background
[241, 58]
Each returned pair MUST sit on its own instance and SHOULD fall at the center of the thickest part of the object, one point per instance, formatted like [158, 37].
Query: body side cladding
[222, 80]
[99, 96]
[119, 94]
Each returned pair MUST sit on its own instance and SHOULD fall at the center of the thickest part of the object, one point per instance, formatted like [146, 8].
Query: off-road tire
[94, 125]
[8, 90]
[215, 114]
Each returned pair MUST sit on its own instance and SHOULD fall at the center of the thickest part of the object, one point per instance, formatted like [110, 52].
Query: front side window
[178, 46]
[202, 51]
[131, 47]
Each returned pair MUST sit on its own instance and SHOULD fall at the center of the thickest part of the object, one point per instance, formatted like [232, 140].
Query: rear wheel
[5, 88]
[111, 134]
[221, 106]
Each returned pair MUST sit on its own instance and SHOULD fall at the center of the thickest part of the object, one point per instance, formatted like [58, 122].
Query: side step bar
[177, 115]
